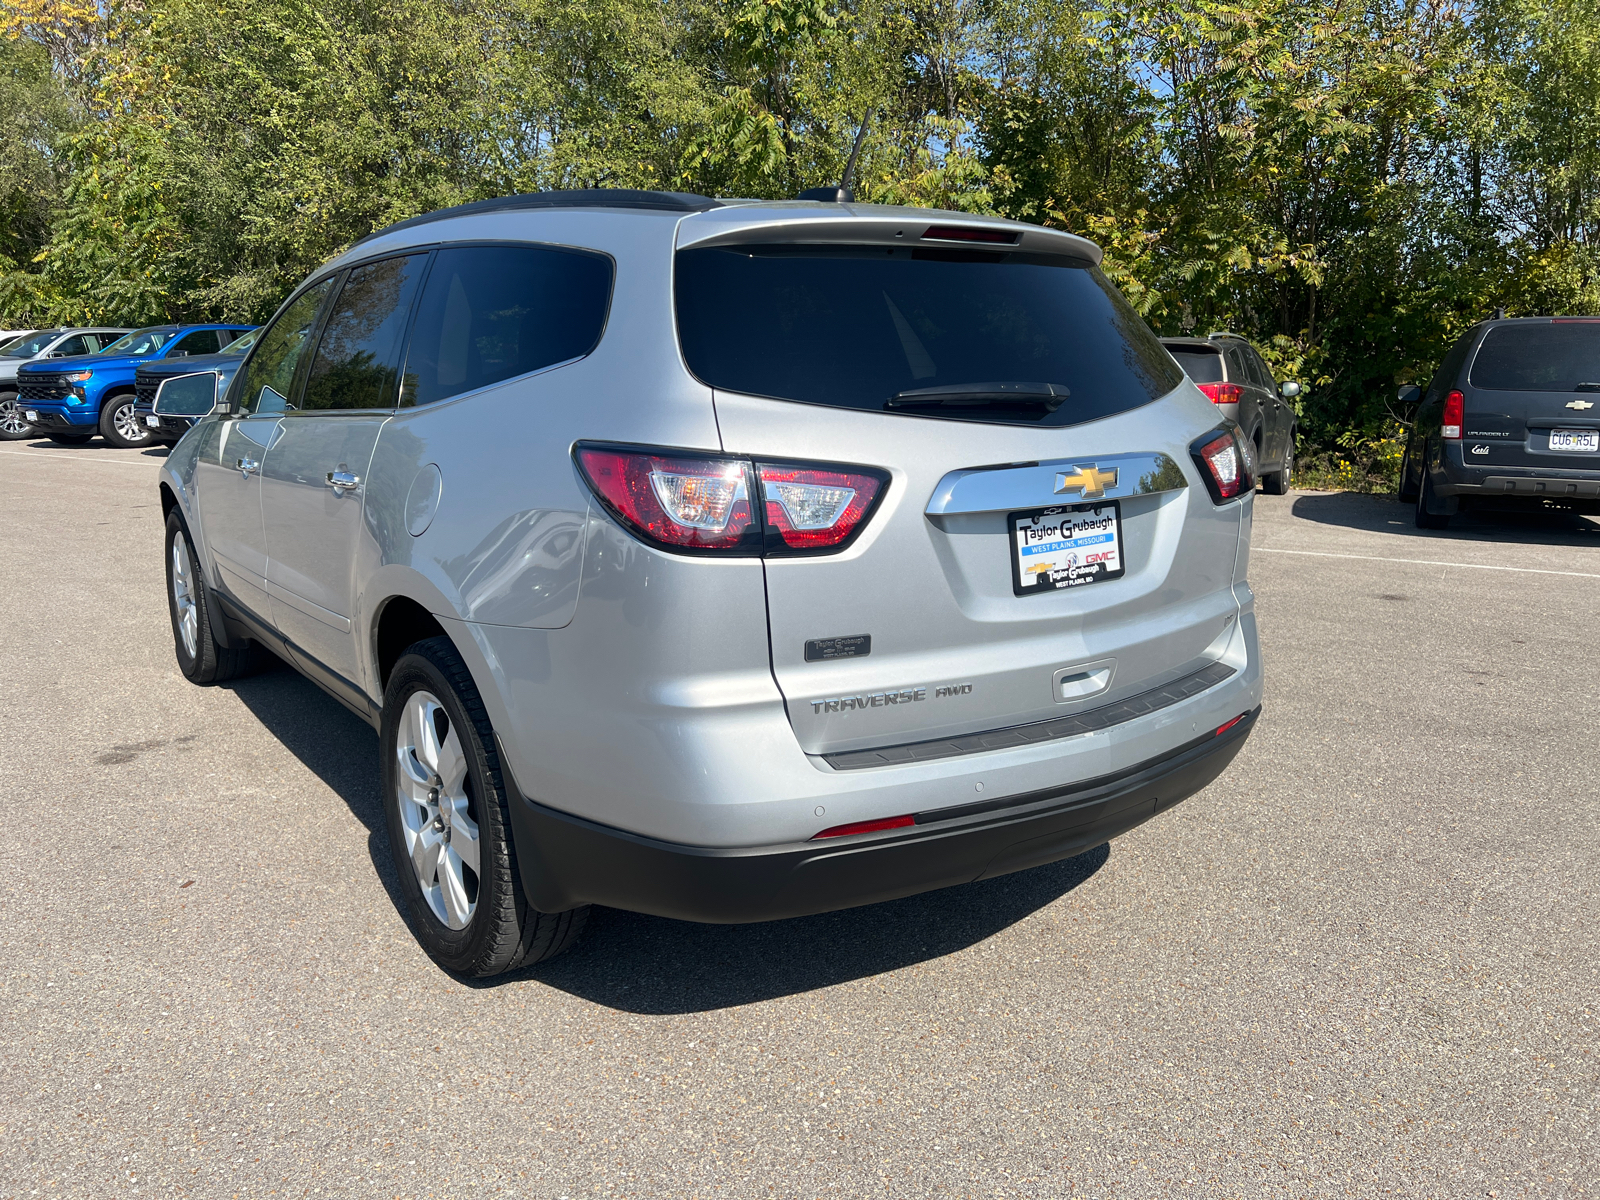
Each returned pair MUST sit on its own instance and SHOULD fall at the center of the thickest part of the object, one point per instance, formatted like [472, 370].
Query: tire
[1277, 483]
[1405, 493]
[436, 738]
[12, 427]
[1425, 501]
[200, 658]
[70, 439]
[119, 424]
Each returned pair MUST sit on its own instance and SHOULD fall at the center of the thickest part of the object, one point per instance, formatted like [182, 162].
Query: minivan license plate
[1584, 441]
[1055, 548]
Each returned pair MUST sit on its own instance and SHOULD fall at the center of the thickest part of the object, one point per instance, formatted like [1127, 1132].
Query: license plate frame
[29, 415]
[152, 420]
[1590, 439]
[1057, 564]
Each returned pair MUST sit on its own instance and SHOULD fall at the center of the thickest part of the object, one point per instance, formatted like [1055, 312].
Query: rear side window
[358, 356]
[857, 326]
[1556, 357]
[1202, 366]
[492, 312]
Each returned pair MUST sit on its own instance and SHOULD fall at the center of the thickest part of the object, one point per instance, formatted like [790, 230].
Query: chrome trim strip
[1033, 485]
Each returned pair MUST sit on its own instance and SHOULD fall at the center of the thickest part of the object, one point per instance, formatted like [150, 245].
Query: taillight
[1455, 407]
[1227, 462]
[810, 508]
[710, 504]
[677, 502]
[1222, 393]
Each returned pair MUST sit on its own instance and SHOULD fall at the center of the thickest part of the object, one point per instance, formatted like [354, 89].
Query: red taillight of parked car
[1455, 407]
[1227, 463]
[694, 504]
[716, 505]
[812, 508]
[1222, 393]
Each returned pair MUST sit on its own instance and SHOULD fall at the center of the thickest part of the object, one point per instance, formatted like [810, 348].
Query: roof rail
[685, 202]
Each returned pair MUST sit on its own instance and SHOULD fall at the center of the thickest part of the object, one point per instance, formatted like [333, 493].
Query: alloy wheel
[126, 422]
[183, 596]
[436, 811]
[11, 418]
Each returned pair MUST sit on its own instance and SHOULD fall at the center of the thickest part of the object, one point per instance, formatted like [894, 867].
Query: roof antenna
[842, 194]
[1499, 314]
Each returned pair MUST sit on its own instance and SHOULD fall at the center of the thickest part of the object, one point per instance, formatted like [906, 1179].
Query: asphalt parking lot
[1363, 963]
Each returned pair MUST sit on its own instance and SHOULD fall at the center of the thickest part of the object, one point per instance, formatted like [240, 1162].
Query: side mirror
[1409, 396]
[187, 395]
[1289, 390]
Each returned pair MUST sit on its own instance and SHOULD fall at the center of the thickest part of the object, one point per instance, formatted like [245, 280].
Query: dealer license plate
[30, 416]
[1055, 548]
[1583, 441]
[153, 422]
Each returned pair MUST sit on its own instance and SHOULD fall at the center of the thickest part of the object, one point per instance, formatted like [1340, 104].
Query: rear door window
[857, 326]
[1201, 365]
[358, 356]
[1561, 356]
[490, 313]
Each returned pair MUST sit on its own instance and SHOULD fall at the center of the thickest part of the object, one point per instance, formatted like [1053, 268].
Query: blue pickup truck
[71, 400]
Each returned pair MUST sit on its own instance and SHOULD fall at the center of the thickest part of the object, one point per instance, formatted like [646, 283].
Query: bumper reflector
[866, 827]
[1222, 729]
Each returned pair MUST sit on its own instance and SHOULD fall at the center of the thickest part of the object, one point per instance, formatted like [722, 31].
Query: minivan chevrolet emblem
[1090, 480]
[1580, 405]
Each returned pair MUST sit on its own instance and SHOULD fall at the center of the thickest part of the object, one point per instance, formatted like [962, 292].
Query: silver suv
[725, 560]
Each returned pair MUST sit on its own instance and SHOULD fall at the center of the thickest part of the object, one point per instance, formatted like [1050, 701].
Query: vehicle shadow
[1383, 514]
[653, 965]
[658, 967]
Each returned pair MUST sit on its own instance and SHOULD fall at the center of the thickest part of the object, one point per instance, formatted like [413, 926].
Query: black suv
[1229, 370]
[1511, 419]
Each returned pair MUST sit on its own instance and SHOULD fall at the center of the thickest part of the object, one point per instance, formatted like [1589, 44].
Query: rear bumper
[566, 861]
[1458, 476]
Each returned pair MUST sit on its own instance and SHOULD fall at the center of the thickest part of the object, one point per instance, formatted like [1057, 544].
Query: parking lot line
[1425, 562]
[127, 462]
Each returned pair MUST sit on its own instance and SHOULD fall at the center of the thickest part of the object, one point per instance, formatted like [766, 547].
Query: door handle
[343, 481]
[245, 465]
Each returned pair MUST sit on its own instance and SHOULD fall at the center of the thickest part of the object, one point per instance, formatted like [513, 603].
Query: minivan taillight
[1227, 463]
[1455, 408]
[1222, 393]
[702, 504]
[676, 502]
[811, 508]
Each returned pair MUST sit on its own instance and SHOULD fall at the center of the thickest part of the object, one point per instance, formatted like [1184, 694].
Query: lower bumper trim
[566, 861]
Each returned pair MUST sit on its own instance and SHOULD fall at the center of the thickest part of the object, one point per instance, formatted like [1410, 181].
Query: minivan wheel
[445, 804]
[200, 658]
[1405, 493]
[1426, 519]
[13, 427]
[119, 423]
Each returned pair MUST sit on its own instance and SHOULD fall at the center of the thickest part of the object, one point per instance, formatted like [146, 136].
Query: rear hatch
[1532, 396]
[988, 383]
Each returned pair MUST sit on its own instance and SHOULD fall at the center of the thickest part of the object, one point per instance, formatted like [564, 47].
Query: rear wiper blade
[1586, 387]
[1044, 397]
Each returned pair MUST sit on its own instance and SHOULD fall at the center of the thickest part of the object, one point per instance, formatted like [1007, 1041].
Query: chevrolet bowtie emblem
[1090, 480]
[1580, 405]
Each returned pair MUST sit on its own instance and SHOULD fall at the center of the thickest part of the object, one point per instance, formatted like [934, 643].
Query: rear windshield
[857, 326]
[1199, 364]
[1558, 357]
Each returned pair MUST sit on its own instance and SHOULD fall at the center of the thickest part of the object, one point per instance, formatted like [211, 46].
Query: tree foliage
[1348, 182]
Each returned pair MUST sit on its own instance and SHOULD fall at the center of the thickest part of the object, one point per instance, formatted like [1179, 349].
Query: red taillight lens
[866, 827]
[1227, 725]
[812, 508]
[1455, 407]
[1222, 393]
[684, 503]
[1227, 462]
[704, 504]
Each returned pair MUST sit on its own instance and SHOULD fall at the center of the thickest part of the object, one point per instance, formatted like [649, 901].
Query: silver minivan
[725, 561]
